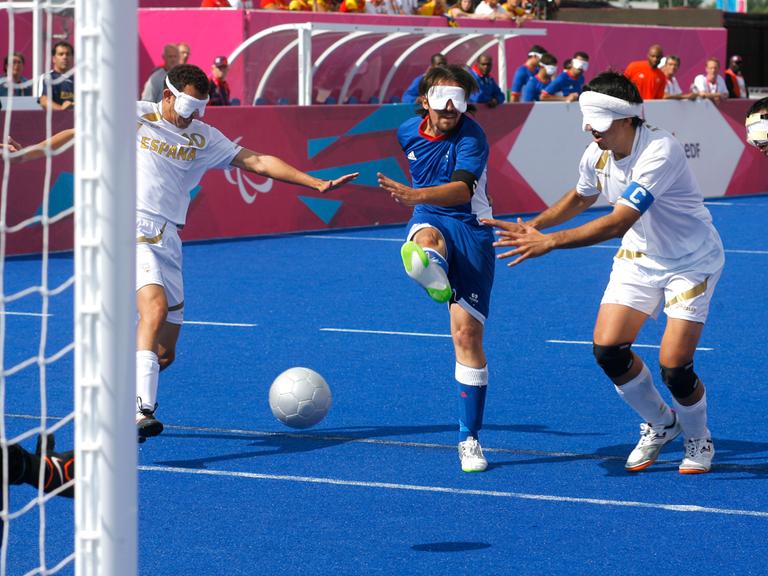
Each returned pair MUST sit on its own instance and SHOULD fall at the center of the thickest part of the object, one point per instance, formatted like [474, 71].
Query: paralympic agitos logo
[246, 183]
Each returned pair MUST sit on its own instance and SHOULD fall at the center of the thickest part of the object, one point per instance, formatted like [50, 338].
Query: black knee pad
[614, 360]
[681, 381]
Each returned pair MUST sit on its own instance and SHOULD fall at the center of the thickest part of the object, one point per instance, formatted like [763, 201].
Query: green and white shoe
[428, 273]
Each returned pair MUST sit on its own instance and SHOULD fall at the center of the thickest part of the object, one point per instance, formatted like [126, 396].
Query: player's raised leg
[688, 392]
[425, 261]
[615, 331]
[471, 384]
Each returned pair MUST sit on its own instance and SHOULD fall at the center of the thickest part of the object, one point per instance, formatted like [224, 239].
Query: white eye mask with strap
[757, 129]
[185, 104]
[438, 97]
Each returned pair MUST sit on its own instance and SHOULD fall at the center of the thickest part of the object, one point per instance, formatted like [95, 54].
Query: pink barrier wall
[333, 140]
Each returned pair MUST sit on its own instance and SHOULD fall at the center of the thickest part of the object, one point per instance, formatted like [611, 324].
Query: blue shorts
[471, 259]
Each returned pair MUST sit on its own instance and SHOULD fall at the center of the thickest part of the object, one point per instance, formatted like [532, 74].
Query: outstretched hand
[12, 145]
[400, 193]
[328, 185]
[527, 240]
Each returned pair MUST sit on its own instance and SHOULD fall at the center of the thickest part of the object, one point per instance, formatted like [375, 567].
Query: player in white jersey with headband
[174, 150]
[671, 257]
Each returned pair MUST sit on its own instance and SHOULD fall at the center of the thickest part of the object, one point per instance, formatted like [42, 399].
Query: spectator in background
[462, 9]
[153, 88]
[519, 10]
[60, 80]
[710, 85]
[757, 125]
[349, 6]
[547, 70]
[433, 8]
[386, 7]
[411, 94]
[525, 72]
[184, 52]
[491, 10]
[213, 4]
[15, 79]
[274, 4]
[488, 90]
[734, 79]
[218, 92]
[568, 85]
[669, 65]
[645, 74]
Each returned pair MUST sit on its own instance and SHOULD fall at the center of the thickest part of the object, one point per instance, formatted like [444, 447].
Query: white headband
[757, 129]
[185, 104]
[438, 97]
[580, 64]
[600, 110]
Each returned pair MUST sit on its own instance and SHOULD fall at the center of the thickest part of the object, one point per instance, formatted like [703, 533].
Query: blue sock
[437, 258]
[471, 399]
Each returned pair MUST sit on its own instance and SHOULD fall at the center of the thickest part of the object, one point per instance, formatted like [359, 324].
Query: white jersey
[656, 180]
[673, 87]
[171, 161]
[704, 86]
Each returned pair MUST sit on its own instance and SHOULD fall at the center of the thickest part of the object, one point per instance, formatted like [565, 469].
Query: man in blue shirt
[57, 87]
[488, 91]
[412, 92]
[547, 69]
[13, 66]
[569, 84]
[525, 72]
[448, 252]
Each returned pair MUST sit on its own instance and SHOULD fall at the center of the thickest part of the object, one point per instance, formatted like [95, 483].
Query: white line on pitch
[388, 332]
[727, 250]
[236, 324]
[373, 238]
[585, 342]
[459, 491]
[35, 314]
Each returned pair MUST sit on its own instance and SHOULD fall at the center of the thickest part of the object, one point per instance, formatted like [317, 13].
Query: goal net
[67, 304]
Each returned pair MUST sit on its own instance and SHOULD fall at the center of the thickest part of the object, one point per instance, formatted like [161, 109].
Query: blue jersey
[62, 86]
[487, 89]
[522, 75]
[565, 84]
[433, 161]
[532, 90]
[412, 92]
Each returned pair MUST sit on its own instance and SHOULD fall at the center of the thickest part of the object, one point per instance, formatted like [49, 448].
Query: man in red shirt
[646, 75]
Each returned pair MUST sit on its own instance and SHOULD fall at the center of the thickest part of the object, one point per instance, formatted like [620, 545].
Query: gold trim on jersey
[152, 116]
[173, 151]
[601, 163]
[151, 240]
[689, 294]
[628, 254]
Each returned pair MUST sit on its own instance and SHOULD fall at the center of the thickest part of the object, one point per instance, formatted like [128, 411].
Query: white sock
[643, 397]
[147, 375]
[693, 419]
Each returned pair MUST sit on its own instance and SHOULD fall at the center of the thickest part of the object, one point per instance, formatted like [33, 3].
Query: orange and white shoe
[698, 456]
[652, 440]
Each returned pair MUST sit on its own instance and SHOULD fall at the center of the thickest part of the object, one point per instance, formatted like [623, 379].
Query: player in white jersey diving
[174, 150]
[671, 256]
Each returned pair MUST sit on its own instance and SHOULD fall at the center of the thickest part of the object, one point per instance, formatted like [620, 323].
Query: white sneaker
[698, 456]
[471, 455]
[652, 440]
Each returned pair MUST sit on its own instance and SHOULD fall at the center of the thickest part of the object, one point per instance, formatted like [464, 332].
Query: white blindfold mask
[438, 97]
[582, 65]
[186, 105]
[757, 129]
[550, 69]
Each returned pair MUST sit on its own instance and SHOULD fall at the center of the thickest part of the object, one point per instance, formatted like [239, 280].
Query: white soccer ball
[300, 397]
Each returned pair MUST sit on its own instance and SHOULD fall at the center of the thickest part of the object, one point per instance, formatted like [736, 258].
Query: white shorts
[684, 291]
[158, 261]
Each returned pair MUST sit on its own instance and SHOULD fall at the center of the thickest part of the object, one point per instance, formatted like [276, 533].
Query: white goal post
[105, 207]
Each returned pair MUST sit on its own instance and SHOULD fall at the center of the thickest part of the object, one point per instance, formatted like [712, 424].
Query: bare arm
[273, 167]
[449, 194]
[38, 150]
[572, 97]
[531, 243]
[45, 103]
[569, 206]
